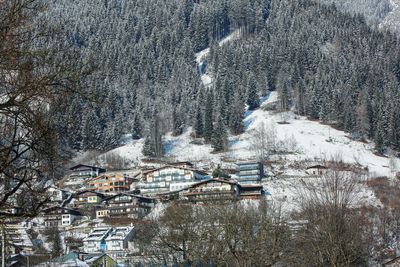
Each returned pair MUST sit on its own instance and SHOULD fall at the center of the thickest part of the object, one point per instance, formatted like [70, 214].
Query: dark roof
[127, 194]
[181, 162]
[317, 167]
[249, 163]
[169, 166]
[69, 211]
[214, 180]
[89, 191]
[87, 166]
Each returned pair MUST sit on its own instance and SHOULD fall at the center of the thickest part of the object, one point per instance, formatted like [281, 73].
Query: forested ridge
[325, 64]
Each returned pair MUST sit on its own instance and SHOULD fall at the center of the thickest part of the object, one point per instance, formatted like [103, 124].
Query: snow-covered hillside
[312, 140]
[201, 56]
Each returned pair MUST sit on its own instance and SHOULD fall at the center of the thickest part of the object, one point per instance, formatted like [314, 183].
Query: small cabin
[316, 170]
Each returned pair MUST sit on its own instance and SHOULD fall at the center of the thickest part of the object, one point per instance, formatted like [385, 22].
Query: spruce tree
[220, 136]
[148, 148]
[208, 118]
[136, 128]
[253, 101]
[198, 123]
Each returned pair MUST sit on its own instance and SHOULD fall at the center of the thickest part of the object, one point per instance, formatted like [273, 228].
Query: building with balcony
[250, 172]
[126, 205]
[118, 239]
[169, 178]
[96, 240]
[110, 183]
[60, 217]
[214, 189]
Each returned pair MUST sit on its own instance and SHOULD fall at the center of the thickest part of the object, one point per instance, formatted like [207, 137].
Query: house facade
[118, 239]
[88, 198]
[60, 217]
[57, 194]
[250, 172]
[317, 170]
[251, 191]
[212, 190]
[126, 205]
[169, 178]
[110, 183]
[96, 240]
[102, 213]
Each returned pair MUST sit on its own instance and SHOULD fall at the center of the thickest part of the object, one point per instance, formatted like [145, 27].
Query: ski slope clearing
[201, 57]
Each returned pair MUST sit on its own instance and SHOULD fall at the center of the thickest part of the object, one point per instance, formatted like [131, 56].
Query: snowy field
[313, 141]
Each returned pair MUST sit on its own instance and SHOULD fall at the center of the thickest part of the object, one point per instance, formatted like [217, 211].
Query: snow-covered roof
[119, 233]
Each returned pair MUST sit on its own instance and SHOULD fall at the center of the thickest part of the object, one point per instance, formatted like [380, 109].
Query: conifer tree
[198, 123]
[208, 117]
[137, 128]
[252, 97]
[237, 116]
[147, 147]
[220, 136]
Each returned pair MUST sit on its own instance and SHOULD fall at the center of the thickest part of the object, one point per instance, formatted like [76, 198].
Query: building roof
[248, 163]
[181, 162]
[215, 180]
[67, 210]
[74, 259]
[129, 195]
[89, 193]
[87, 166]
[119, 233]
[317, 167]
[98, 234]
[145, 172]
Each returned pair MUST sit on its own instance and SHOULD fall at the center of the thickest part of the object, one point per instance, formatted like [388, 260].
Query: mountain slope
[299, 139]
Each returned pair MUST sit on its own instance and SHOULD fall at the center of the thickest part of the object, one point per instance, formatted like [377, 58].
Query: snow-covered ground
[202, 55]
[312, 139]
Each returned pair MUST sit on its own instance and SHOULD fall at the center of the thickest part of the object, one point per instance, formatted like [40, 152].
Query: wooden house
[213, 190]
[126, 205]
[60, 217]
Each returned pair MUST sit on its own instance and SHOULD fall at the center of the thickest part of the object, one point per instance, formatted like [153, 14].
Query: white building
[57, 194]
[96, 240]
[118, 239]
[169, 178]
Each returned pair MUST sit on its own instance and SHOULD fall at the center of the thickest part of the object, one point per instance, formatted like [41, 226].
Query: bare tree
[333, 234]
[264, 141]
[224, 235]
[31, 76]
